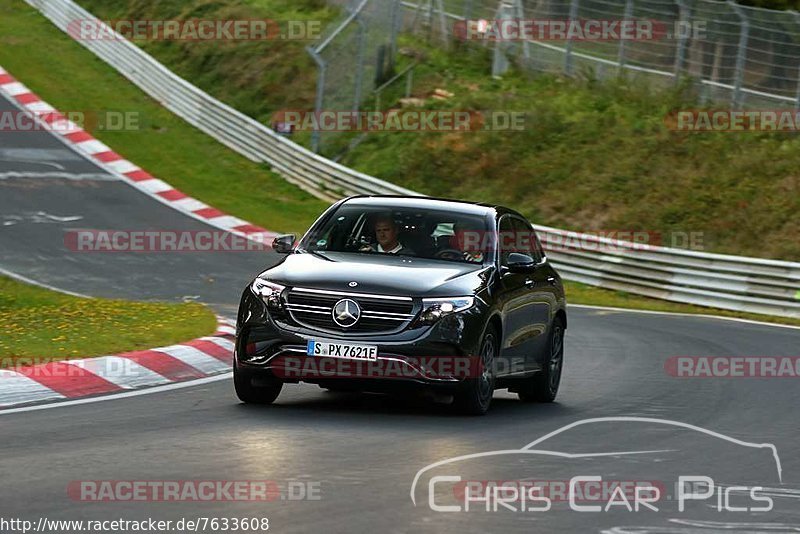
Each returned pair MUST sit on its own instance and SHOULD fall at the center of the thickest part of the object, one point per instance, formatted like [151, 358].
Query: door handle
[551, 280]
[530, 282]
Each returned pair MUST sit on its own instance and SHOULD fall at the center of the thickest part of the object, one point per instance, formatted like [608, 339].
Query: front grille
[379, 314]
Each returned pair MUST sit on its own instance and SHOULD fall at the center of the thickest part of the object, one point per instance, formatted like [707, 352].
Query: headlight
[435, 309]
[269, 292]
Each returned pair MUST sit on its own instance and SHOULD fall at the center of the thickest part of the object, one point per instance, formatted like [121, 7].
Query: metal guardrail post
[741, 55]
[628, 15]
[573, 15]
[796, 16]
[320, 98]
[684, 16]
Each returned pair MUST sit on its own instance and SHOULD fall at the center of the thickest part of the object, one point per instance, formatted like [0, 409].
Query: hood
[379, 273]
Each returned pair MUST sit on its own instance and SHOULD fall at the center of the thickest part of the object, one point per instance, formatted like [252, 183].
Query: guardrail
[728, 282]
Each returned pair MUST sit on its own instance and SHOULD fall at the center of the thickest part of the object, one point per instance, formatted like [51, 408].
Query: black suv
[386, 293]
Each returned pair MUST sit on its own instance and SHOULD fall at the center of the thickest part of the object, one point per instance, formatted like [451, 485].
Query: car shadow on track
[357, 405]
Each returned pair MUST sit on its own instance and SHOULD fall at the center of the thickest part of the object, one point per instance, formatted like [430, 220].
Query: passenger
[386, 232]
[468, 240]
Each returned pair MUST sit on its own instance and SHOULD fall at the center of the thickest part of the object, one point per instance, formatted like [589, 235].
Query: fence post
[741, 55]
[519, 10]
[684, 16]
[443, 23]
[797, 93]
[322, 66]
[573, 15]
[467, 9]
[396, 21]
[500, 64]
[361, 44]
[627, 16]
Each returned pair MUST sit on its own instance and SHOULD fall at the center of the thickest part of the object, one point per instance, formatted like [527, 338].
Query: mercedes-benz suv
[387, 293]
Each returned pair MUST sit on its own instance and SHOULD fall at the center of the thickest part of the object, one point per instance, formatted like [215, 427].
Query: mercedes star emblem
[346, 313]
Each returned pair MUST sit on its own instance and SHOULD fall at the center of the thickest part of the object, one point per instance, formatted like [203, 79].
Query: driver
[386, 231]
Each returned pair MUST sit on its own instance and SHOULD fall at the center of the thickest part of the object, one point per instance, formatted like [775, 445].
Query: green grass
[72, 79]
[42, 325]
[597, 155]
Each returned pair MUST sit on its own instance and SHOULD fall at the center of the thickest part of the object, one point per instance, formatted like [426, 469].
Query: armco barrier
[721, 281]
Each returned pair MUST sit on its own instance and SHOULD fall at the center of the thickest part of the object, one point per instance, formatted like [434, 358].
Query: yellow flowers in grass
[37, 323]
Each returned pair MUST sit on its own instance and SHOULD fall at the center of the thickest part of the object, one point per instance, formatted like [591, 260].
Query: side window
[506, 241]
[526, 240]
[537, 244]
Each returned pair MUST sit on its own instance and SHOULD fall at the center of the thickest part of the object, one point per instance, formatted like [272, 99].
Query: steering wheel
[449, 254]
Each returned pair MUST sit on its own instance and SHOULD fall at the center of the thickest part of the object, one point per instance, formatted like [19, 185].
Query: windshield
[424, 233]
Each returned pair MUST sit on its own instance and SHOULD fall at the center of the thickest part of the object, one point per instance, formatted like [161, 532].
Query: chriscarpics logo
[617, 466]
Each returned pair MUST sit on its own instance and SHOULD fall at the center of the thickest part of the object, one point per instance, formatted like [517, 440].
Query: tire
[476, 397]
[265, 392]
[543, 386]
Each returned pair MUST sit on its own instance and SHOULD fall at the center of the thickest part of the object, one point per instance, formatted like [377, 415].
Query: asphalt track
[362, 452]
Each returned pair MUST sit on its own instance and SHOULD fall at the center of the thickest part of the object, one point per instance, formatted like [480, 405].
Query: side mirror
[521, 263]
[283, 244]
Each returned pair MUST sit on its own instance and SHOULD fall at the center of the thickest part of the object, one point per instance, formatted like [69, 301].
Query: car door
[540, 295]
[519, 307]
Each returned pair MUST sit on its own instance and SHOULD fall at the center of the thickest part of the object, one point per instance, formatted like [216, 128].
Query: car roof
[400, 201]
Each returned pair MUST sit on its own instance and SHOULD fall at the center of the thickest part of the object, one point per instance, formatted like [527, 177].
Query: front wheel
[255, 388]
[543, 387]
[477, 395]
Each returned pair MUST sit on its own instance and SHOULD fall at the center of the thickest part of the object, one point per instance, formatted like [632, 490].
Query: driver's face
[386, 234]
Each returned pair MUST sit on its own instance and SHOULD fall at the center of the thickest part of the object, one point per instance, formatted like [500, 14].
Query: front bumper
[441, 355]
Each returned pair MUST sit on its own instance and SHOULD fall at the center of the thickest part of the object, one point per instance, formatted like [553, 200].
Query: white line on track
[115, 396]
[98, 177]
[32, 282]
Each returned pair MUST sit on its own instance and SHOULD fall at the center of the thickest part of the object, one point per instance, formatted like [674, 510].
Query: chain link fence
[354, 59]
[747, 56]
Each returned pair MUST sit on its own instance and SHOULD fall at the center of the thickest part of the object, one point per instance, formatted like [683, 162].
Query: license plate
[342, 350]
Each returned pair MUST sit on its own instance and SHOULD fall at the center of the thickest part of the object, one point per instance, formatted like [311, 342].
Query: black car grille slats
[378, 314]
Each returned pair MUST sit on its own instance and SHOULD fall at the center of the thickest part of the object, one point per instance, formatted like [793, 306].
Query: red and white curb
[194, 360]
[102, 155]
[103, 375]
